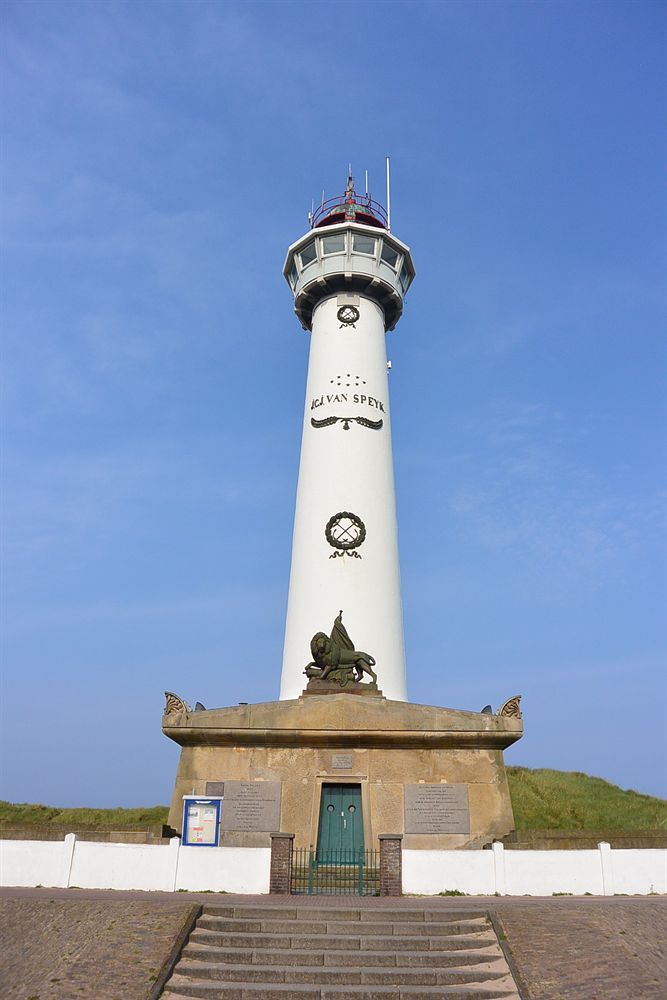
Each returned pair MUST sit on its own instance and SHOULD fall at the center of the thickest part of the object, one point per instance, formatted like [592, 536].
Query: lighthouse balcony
[349, 257]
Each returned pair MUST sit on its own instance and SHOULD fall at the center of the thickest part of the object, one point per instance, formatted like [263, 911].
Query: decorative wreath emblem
[348, 315]
[345, 532]
[374, 425]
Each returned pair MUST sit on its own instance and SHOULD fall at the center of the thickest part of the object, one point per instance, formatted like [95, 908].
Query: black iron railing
[342, 872]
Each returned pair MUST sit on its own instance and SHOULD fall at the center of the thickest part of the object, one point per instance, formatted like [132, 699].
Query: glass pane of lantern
[333, 244]
[308, 254]
[364, 244]
[389, 255]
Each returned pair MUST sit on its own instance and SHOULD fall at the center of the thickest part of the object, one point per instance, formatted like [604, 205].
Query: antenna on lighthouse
[388, 197]
[367, 184]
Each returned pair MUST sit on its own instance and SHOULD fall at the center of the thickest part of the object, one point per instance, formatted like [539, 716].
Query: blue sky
[158, 158]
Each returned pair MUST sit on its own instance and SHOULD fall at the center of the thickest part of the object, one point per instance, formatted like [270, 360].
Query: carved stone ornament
[512, 708]
[373, 425]
[336, 660]
[175, 705]
[345, 532]
[348, 316]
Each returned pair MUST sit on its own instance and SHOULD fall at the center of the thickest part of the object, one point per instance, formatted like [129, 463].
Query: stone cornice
[342, 722]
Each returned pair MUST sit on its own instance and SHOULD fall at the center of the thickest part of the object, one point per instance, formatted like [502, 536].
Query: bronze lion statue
[336, 652]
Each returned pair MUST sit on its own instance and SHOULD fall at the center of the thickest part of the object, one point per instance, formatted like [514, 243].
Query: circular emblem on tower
[345, 532]
[348, 315]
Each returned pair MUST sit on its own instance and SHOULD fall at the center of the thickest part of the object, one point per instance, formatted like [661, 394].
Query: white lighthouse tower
[343, 761]
[349, 275]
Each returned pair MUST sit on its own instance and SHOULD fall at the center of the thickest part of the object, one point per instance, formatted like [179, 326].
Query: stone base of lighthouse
[435, 775]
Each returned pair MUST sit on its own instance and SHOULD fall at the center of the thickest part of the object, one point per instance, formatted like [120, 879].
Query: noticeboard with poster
[201, 821]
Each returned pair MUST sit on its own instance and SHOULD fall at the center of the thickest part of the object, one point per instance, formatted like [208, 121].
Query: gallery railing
[339, 872]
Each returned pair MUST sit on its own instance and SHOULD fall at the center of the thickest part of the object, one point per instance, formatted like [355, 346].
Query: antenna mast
[388, 197]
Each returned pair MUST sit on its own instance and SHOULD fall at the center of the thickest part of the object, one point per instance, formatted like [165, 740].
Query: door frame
[352, 792]
[340, 779]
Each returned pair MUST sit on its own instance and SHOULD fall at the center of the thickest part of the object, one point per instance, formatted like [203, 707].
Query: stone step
[341, 975]
[277, 991]
[214, 922]
[299, 991]
[293, 956]
[308, 952]
[319, 958]
[314, 913]
[374, 942]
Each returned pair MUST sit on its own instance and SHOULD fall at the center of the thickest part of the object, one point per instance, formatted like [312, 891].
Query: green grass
[569, 800]
[542, 800]
[82, 818]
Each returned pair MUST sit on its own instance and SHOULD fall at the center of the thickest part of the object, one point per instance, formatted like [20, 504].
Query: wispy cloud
[530, 494]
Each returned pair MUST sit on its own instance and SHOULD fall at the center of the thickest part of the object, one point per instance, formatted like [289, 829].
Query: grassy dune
[542, 800]
[568, 800]
[82, 818]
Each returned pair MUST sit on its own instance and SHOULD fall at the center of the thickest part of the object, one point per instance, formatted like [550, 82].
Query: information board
[200, 826]
[251, 806]
[437, 809]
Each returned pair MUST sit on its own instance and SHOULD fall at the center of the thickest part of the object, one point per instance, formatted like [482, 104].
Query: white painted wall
[639, 871]
[230, 869]
[32, 862]
[157, 867]
[167, 868]
[541, 873]
[536, 873]
[346, 470]
[430, 872]
[123, 866]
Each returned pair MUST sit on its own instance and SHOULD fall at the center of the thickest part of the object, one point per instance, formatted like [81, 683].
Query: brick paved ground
[563, 948]
[55, 948]
[598, 949]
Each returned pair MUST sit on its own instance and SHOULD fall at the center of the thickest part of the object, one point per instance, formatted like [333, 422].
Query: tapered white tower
[349, 276]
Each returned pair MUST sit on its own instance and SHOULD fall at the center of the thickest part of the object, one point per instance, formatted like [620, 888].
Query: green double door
[341, 831]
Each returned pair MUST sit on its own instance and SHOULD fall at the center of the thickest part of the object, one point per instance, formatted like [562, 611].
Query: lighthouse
[349, 276]
[342, 763]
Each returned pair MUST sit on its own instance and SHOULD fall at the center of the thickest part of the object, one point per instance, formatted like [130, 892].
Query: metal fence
[343, 872]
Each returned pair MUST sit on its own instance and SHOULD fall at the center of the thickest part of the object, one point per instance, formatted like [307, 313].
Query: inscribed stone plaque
[341, 761]
[437, 809]
[251, 806]
[215, 788]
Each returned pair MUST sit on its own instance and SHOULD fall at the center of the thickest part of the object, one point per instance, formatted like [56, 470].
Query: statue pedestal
[435, 775]
[317, 686]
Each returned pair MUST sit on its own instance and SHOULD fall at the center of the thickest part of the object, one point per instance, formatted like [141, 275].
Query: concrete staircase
[318, 952]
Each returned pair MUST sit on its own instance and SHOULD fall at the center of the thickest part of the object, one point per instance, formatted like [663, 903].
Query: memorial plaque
[251, 806]
[437, 809]
[215, 788]
[341, 761]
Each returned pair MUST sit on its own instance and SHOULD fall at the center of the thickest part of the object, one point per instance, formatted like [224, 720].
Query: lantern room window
[389, 255]
[363, 244]
[308, 254]
[333, 244]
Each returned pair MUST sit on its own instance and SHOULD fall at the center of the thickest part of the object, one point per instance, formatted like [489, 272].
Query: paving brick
[563, 948]
[74, 949]
[589, 949]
